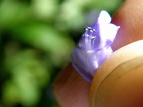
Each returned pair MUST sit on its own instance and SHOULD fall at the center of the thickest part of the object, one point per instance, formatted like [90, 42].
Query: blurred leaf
[11, 93]
[44, 8]
[27, 61]
[29, 92]
[108, 5]
[71, 15]
[12, 13]
[29, 76]
[57, 44]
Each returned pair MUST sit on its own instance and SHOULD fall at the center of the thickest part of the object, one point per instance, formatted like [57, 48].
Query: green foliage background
[36, 39]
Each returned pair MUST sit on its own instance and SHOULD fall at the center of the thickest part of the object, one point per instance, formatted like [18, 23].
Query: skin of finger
[70, 89]
[67, 89]
[129, 17]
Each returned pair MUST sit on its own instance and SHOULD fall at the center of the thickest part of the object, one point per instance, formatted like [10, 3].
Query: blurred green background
[36, 39]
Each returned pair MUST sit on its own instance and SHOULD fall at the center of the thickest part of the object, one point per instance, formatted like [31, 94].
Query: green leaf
[58, 45]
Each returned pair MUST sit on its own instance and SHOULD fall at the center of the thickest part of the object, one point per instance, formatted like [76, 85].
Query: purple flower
[94, 46]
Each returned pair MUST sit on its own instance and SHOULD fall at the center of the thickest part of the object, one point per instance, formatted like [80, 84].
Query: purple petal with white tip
[94, 46]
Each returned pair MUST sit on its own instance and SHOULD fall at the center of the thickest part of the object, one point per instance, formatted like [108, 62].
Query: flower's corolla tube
[94, 46]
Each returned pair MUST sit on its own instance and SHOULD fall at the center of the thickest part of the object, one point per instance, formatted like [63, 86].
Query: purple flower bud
[94, 46]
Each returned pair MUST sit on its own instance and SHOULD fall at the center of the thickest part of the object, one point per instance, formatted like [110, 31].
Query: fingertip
[119, 57]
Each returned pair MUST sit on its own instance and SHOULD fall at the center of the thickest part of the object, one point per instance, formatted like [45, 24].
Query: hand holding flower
[71, 90]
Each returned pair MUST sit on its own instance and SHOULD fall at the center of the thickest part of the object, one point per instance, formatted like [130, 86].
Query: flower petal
[94, 46]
